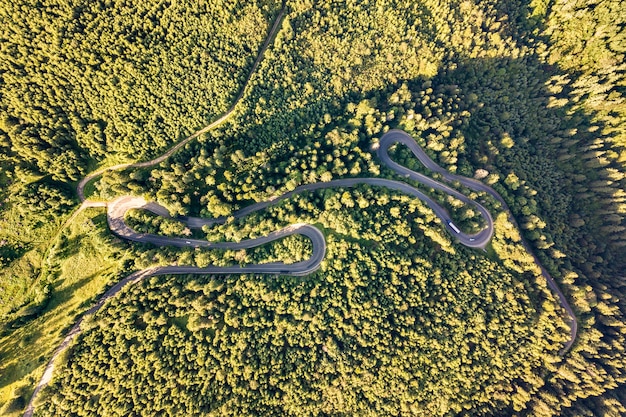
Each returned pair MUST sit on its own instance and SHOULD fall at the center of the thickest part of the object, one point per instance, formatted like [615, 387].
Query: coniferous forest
[400, 319]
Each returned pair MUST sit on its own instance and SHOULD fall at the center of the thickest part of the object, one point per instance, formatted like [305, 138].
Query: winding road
[117, 209]
[398, 136]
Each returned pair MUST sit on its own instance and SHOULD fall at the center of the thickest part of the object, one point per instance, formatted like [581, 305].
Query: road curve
[80, 188]
[118, 208]
[478, 240]
[398, 136]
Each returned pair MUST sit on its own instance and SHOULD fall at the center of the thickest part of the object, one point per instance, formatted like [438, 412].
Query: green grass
[29, 237]
[85, 260]
[491, 253]
[90, 187]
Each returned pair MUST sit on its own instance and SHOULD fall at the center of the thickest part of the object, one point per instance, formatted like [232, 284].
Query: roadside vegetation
[387, 293]
[84, 261]
[525, 96]
[97, 83]
[143, 221]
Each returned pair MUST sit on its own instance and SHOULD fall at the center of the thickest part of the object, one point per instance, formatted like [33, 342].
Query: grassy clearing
[24, 237]
[84, 260]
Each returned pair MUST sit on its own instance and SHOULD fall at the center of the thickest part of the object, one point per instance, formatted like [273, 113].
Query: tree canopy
[524, 96]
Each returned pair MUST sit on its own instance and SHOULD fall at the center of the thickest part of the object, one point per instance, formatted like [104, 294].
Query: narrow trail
[80, 189]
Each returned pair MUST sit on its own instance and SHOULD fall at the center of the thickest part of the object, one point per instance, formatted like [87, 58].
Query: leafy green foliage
[381, 313]
[83, 84]
[85, 81]
[146, 222]
[497, 108]
[525, 96]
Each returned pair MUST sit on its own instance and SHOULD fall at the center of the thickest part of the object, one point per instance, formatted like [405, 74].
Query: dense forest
[399, 320]
[75, 78]
[83, 84]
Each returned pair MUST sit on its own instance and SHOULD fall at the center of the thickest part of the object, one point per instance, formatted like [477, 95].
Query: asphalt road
[479, 240]
[398, 136]
[117, 209]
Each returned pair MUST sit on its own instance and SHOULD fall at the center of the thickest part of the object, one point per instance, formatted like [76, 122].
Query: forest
[67, 73]
[526, 96]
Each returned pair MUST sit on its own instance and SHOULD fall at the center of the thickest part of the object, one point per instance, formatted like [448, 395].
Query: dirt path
[80, 189]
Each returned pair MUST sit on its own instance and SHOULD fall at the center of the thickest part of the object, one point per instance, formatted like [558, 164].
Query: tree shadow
[35, 337]
[518, 127]
[535, 143]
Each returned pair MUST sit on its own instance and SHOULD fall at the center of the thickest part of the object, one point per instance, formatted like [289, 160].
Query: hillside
[400, 318]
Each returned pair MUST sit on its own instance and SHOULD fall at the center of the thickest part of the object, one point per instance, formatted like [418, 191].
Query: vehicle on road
[453, 227]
